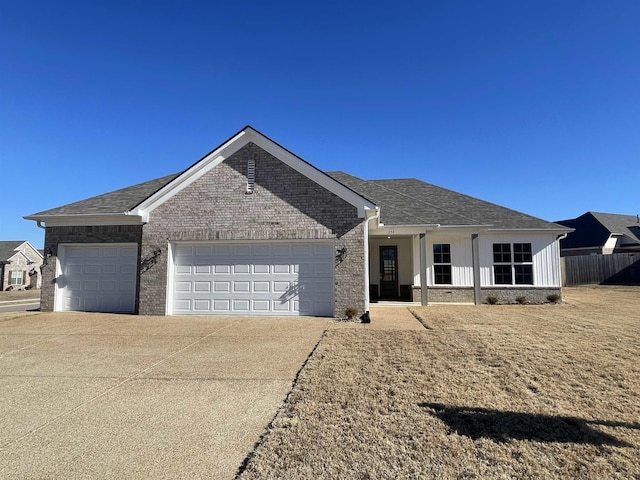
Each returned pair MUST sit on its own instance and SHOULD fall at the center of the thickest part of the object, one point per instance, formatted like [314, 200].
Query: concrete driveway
[121, 396]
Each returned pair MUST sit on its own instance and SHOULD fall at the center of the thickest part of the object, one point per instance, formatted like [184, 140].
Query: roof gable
[10, 248]
[132, 205]
[232, 145]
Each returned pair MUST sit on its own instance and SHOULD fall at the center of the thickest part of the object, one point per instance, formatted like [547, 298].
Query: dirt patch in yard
[548, 391]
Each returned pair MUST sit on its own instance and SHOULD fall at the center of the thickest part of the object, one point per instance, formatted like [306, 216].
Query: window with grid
[442, 264]
[16, 277]
[512, 264]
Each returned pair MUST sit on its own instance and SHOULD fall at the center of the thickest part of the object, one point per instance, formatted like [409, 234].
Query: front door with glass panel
[389, 272]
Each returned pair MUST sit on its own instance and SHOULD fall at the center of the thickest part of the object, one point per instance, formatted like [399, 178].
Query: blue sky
[531, 104]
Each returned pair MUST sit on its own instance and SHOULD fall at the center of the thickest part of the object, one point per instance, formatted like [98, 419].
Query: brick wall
[504, 295]
[508, 295]
[85, 234]
[284, 205]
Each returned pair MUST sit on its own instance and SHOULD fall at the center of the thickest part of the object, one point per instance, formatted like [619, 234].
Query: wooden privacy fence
[616, 269]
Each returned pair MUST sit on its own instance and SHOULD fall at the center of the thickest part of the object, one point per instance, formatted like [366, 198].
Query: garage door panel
[183, 269]
[266, 278]
[241, 287]
[221, 286]
[261, 286]
[202, 286]
[222, 305]
[97, 277]
[128, 269]
[261, 269]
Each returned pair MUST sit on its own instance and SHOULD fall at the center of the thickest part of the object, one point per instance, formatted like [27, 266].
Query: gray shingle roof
[118, 201]
[410, 201]
[403, 202]
[594, 228]
[8, 248]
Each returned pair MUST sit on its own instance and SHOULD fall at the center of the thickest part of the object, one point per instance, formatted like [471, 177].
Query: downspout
[563, 278]
[365, 317]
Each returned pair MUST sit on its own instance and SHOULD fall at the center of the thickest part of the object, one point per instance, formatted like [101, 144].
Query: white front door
[261, 278]
[97, 277]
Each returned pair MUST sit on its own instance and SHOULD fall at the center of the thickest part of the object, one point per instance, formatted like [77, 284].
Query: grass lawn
[19, 295]
[485, 392]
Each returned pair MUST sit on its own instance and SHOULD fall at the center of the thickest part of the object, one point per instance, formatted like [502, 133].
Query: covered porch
[397, 260]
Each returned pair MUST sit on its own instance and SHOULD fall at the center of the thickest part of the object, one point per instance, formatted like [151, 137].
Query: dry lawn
[9, 295]
[486, 392]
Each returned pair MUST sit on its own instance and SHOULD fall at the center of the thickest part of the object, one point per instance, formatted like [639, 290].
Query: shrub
[521, 299]
[492, 300]
[351, 313]
[553, 298]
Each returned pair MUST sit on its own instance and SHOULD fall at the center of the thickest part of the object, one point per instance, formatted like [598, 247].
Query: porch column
[367, 280]
[475, 255]
[424, 300]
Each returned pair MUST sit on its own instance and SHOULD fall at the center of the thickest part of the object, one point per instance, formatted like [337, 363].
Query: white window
[512, 264]
[16, 277]
[442, 264]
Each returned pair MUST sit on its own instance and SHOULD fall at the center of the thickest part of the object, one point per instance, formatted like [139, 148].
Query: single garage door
[254, 279]
[97, 278]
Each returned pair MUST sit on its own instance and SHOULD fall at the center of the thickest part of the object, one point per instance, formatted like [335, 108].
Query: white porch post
[475, 255]
[367, 299]
[424, 300]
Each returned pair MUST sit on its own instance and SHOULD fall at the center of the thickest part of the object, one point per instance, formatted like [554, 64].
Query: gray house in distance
[601, 233]
[252, 229]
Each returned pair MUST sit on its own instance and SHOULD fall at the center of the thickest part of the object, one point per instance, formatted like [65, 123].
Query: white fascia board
[530, 230]
[234, 144]
[190, 175]
[87, 220]
[391, 230]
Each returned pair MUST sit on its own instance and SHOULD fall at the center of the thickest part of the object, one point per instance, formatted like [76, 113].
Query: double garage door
[97, 278]
[253, 279]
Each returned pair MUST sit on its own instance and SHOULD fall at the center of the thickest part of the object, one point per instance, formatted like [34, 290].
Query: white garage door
[97, 277]
[254, 279]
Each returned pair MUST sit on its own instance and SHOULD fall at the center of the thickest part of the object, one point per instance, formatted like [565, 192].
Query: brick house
[252, 229]
[20, 265]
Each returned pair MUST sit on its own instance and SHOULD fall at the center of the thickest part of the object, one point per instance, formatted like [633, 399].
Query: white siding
[461, 259]
[546, 256]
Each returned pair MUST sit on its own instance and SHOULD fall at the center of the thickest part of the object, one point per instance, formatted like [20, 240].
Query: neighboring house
[601, 233]
[252, 229]
[19, 265]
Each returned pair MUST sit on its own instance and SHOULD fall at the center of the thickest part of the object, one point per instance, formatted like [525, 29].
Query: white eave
[386, 229]
[92, 219]
[217, 156]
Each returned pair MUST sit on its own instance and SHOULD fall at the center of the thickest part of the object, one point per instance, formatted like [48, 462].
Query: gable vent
[251, 175]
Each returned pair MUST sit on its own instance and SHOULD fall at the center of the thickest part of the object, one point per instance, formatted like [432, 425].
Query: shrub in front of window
[521, 299]
[553, 298]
